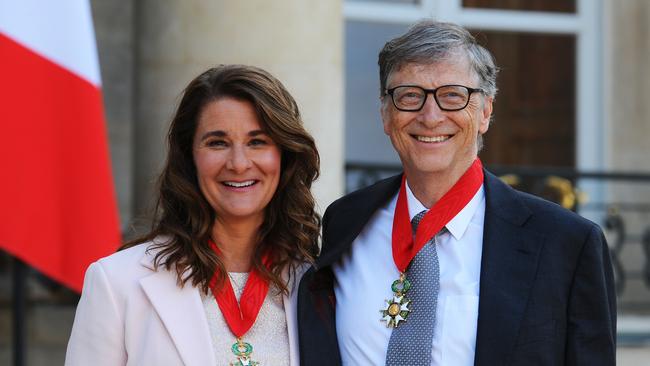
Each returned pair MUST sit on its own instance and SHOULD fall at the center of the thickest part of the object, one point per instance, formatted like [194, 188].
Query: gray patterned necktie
[410, 343]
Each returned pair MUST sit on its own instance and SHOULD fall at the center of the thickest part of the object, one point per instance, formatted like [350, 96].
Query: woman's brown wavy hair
[291, 225]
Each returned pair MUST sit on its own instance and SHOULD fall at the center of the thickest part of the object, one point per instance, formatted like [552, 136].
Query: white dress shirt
[364, 278]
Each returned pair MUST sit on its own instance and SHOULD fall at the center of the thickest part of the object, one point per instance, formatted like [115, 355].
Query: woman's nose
[238, 161]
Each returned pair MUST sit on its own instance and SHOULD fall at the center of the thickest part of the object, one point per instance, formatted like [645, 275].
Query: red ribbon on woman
[240, 316]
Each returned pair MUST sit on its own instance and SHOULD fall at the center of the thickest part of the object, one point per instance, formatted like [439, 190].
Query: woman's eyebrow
[215, 133]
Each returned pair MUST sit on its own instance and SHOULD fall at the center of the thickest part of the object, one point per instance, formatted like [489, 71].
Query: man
[485, 275]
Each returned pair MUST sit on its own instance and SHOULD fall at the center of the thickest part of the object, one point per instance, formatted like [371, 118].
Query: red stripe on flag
[58, 202]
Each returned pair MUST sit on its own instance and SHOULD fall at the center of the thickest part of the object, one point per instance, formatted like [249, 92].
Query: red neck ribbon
[404, 247]
[241, 316]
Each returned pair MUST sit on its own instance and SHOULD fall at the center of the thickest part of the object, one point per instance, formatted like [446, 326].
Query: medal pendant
[243, 350]
[396, 309]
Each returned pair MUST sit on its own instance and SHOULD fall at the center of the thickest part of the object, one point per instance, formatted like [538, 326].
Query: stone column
[627, 112]
[298, 41]
[114, 32]
[627, 83]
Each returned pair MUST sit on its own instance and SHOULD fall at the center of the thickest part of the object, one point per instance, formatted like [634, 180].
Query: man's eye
[410, 98]
[412, 95]
[453, 96]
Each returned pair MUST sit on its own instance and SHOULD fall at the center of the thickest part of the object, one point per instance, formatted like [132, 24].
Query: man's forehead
[441, 68]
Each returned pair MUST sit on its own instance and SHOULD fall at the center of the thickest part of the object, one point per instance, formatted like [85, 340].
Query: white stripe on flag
[61, 31]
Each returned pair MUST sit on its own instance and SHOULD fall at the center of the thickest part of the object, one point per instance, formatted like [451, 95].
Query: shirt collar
[458, 225]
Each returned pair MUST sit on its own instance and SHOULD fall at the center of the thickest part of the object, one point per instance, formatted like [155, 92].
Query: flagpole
[18, 305]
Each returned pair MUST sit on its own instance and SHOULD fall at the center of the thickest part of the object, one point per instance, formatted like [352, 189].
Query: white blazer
[130, 314]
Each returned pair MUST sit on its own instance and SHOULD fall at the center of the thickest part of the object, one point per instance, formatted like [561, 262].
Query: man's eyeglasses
[411, 98]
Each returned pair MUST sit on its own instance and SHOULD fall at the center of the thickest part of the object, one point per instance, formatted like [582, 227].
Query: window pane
[534, 111]
[365, 140]
[563, 6]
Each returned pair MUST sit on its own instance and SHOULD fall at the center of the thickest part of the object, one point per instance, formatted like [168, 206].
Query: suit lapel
[352, 215]
[508, 267]
[182, 313]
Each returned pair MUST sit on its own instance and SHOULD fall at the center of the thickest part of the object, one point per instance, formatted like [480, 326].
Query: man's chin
[436, 166]
[427, 167]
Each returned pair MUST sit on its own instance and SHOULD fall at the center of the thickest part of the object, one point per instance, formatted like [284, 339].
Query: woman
[236, 222]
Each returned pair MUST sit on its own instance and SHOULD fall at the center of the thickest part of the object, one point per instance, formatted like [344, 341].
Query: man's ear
[384, 110]
[486, 115]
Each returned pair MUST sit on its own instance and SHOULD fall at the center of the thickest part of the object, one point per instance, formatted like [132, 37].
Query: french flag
[58, 209]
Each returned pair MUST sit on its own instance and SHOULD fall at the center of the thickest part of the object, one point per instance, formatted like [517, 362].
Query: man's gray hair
[428, 42]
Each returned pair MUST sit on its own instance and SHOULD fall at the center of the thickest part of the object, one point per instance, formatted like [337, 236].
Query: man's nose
[431, 114]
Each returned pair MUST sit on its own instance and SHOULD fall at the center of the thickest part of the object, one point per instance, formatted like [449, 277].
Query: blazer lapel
[181, 311]
[508, 267]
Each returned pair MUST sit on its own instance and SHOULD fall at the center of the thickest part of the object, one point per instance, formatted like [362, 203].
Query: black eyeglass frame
[470, 91]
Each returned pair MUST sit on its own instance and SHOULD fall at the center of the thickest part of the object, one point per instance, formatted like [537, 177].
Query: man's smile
[439, 138]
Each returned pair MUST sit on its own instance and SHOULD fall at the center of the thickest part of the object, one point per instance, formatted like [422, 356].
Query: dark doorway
[535, 109]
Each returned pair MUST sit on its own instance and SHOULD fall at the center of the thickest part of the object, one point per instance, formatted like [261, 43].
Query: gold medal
[396, 309]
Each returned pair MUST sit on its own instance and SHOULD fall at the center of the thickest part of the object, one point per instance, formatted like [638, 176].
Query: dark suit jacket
[546, 293]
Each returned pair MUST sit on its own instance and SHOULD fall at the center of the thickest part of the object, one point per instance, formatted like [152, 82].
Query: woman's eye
[216, 143]
[257, 142]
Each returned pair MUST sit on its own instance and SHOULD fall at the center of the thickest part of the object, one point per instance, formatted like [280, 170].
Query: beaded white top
[268, 335]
